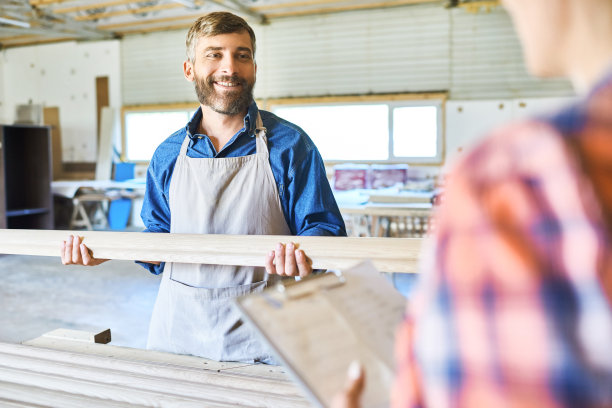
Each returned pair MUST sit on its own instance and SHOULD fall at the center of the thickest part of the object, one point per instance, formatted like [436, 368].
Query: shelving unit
[25, 177]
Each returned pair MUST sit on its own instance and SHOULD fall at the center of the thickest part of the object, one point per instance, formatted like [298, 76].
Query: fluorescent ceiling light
[14, 22]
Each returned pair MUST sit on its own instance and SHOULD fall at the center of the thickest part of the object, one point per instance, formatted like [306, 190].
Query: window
[415, 131]
[144, 130]
[380, 130]
[334, 128]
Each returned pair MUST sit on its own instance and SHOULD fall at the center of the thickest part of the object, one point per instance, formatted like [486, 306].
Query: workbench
[386, 212]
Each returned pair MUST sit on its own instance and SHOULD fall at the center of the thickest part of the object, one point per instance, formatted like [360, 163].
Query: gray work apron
[194, 313]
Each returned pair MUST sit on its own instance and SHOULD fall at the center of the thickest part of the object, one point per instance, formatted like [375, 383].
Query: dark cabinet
[25, 177]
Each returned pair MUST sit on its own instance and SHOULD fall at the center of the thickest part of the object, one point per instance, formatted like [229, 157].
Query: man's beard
[227, 103]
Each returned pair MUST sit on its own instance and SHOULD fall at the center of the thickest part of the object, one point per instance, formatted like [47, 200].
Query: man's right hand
[74, 252]
[350, 396]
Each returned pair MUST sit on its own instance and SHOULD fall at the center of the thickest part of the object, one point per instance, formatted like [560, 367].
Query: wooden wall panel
[51, 118]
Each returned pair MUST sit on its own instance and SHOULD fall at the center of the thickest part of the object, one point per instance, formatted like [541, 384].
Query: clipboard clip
[287, 290]
[291, 290]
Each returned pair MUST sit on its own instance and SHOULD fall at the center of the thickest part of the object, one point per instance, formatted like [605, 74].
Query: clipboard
[317, 326]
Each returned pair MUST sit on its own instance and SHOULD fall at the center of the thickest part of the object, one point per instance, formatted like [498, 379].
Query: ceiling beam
[235, 5]
[187, 3]
[43, 22]
[31, 31]
[155, 29]
[297, 4]
[476, 6]
[97, 16]
[92, 6]
[306, 3]
[148, 22]
[327, 10]
[47, 2]
[35, 41]
[46, 25]
[16, 37]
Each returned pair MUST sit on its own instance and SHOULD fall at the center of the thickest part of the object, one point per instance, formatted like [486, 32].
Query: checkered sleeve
[511, 301]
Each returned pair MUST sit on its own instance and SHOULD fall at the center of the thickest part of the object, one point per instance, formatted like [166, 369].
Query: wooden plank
[160, 107]
[400, 198]
[93, 391]
[101, 337]
[78, 170]
[169, 359]
[356, 98]
[387, 254]
[169, 372]
[139, 383]
[51, 118]
[23, 396]
[409, 210]
[253, 381]
[102, 101]
[108, 122]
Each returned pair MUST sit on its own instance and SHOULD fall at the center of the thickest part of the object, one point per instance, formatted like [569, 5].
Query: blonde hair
[216, 23]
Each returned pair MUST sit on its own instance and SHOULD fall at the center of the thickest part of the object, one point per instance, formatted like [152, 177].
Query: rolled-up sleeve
[155, 211]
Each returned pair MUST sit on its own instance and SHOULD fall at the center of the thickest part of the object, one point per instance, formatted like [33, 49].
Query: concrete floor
[39, 294]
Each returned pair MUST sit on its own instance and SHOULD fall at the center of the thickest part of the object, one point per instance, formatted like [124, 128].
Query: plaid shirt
[514, 308]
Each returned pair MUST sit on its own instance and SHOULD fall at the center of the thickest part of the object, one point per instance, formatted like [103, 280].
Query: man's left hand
[286, 260]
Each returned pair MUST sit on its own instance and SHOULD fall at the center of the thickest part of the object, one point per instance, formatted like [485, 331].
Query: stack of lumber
[56, 372]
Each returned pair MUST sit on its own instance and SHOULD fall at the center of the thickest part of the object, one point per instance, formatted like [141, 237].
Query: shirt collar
[250, 121]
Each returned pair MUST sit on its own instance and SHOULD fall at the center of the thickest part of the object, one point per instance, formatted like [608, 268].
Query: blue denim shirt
[306, 197]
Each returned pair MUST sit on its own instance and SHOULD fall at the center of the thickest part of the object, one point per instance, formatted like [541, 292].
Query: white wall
[403, 49]
[475, 57]
[468, 122]
[63, 75]
[152, 69]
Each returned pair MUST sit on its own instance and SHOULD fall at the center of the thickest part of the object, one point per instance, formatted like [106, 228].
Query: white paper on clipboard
[316, 327]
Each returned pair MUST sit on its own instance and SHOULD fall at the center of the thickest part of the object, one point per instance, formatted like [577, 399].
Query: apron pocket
[208, 294]
[205, 322]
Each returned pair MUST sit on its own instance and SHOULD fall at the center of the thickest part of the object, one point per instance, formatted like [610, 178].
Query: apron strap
[261, 140]
[183, 151]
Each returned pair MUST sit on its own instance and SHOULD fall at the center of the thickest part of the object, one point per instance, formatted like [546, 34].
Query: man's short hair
[216, 23]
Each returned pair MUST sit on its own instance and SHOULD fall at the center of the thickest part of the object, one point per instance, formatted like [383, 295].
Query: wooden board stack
[51, 371]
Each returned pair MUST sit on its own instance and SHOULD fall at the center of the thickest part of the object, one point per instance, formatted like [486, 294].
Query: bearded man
[232, 170]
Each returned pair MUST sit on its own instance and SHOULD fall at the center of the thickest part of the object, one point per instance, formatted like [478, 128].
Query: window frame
[174, 107]
[437, 99]
[392, 100]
